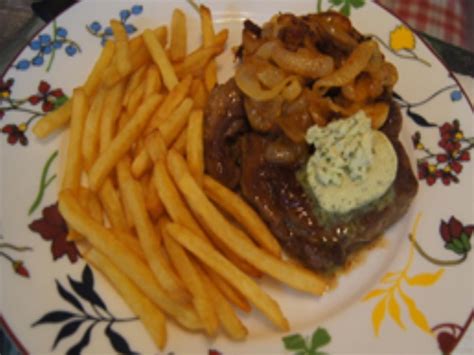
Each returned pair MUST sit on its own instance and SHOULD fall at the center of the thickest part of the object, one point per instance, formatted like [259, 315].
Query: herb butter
[352, 164]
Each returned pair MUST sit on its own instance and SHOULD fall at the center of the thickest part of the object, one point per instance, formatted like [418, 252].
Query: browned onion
[270, 75]
[247, 81]
[388, 74]
[378, 113]
[286, 55]
[375, 62]
[303, 62]
[354, 65]
[360, 89]
[265, 50]
[337, 27]
[262, 114]
[322, 108]
[292, 91]
[250, 42]
[295, 126]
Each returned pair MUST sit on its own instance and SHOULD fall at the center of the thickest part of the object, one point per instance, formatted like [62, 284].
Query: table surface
[18, 24]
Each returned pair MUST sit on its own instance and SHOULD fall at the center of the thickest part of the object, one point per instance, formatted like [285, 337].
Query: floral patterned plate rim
[411, 294]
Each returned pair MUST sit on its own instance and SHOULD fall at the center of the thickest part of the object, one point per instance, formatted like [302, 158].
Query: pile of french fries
[172, 241]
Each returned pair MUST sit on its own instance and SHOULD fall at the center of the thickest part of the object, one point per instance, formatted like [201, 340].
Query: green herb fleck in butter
[352, 164]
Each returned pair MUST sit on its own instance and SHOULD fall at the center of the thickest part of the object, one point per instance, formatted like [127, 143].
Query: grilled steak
[235, 155]
[225, 121]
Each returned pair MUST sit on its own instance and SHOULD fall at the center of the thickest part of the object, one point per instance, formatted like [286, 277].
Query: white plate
[426, 306]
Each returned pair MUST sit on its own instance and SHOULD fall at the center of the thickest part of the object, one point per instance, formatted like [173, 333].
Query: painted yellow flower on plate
[392, 299]
[402, 38]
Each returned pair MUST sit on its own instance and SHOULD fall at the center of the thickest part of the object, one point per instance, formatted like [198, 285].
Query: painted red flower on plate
[52, 227]
[46, 96]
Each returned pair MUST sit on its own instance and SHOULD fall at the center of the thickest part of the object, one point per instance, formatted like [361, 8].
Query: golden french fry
[220, 38]
[172, 201]
[152, 317]
[130, 241]
[230, 293]
[136, 98]
[159, 56]
[123, 119]
[211, 257]
[135, 80]
[124, 64]
[122, 142]
[53, 120]
[95, 77]
[179, 213]
[111, 76]
[148, 237]
[169, 130]
[186, 269]
[138, 147]
[200, 95]
[156, 146]
[124, 259]
[196, 61]
[81, 194]
[88, 201]
[82, 245]
[122, 175]
[61, 116]
[195, 145]
[180, 143]
[72, 235]
[178, 40]
[152, 201]
[139, 58]
[73, 169]
[90, 138]
[143, 181]
[135, 43]
[210, 75]
[229, 320]
[112, 204]
[235, 206]
[118, 29]
[292, 275]
[194, 86]
[161, 34]
[171, 102]
[95, 207]
[110, 114]
[141, 164]
[91, 203]
[207, 27]
[239, 262]
[152, 80]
